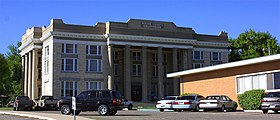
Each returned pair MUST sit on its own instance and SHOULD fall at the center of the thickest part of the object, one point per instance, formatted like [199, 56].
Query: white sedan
[188, 102]
[166, 103]
[217, 102]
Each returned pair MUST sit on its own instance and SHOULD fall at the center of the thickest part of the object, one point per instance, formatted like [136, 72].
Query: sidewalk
[43, 116]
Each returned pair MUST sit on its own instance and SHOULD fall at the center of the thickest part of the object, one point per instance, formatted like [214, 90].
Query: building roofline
[225, 66]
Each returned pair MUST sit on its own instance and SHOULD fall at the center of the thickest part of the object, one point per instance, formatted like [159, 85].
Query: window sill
[70, 71]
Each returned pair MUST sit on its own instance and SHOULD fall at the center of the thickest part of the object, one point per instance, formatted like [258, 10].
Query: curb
[27, 115]
[252, 111]
[149, 110]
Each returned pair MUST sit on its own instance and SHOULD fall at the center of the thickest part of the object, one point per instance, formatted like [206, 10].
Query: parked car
[46, 102]
[127, 104]
[217, 102]
[271, 101]
[166, 103]
[10, 104]
[188, 102]
[23, 102]
[106, 102]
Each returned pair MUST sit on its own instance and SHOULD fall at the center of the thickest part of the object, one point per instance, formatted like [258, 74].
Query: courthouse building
[132, 57]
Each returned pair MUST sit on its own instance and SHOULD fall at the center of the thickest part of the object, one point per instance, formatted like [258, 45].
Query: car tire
[275, 111]
[65, 110]
[130, 106]
[113, 112]
[234, 108]
[161, 110]
[179, 110]
[265, 111]
[15, 108]
[222, 109]
[103, 110]
[196, 109]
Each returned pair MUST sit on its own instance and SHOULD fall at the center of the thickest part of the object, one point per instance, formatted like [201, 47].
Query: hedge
[251, 100]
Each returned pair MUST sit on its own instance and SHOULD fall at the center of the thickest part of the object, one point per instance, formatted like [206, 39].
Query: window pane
[69, 64]
[69, 48]
[277, 80]
[93, 49]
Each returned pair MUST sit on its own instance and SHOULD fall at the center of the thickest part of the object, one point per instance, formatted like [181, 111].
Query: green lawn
[6, 108]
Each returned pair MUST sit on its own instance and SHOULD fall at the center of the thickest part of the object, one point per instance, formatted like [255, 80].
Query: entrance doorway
[136, 93]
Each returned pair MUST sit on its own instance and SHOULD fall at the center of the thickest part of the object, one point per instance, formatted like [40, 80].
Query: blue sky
[204, 16]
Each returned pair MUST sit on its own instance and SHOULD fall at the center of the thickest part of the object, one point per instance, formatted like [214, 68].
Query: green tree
[15, 67]
[252, 44]
[4, 75]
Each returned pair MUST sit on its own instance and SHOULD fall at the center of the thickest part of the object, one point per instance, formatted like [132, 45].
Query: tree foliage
[252, 44]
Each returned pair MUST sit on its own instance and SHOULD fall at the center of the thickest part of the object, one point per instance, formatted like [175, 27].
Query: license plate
[272, 106]
[163, 106]
[181, 103]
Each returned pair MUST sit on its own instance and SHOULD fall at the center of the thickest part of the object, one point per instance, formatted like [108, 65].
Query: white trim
[257, 73]
[226, 65]
[200, 43]
[77, 35]
[211, 49]
[76, 41]
[150, 45]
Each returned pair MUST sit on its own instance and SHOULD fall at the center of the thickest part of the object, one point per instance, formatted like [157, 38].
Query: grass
[147, 107]
[6, 108]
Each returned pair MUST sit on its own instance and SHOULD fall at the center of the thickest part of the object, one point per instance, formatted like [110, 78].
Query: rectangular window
[165, 58]
[197, 65]
[69, 64]
[155, 57]
[136, 56]
[277, 80]
[197, 55]
[69, 48]
[116, 69]
[136, 69]
[94, 65]
[217, 56]
[155, 70]
[250, 82]
[115, 55]
[69, 88]
[93, 85]
[93, 50]
[164, 70]
[47, 60]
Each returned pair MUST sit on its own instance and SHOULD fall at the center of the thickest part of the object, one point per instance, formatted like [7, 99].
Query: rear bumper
[270, 107]
[166, 106]
[209, 106]
[182, 107]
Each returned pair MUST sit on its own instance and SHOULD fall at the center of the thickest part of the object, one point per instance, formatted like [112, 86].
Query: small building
[232, 78]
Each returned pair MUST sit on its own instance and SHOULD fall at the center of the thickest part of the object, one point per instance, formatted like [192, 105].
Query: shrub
[251, 100]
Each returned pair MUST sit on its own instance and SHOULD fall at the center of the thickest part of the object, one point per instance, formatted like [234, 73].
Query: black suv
[271, 101]
[106, 102]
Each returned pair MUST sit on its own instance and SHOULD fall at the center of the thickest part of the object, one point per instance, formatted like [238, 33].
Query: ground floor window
[69, 88]
[267, 81]
[93, 85]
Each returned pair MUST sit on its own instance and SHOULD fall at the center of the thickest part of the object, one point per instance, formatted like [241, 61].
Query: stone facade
[132, 57]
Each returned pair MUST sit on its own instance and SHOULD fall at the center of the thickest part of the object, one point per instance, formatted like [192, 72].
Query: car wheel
[179, 110]
[275, 111]
[130, 106]
[15, 108]
[265, 111]
[175, 110]
[222, 109]
[65, 109]
[204, 110]
[196, 109]
[234, 108]
[112, 112]
[161, 110]
[103, 110]
[77, 112]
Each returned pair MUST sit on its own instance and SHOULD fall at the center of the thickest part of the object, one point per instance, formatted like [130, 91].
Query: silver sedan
[218, 102]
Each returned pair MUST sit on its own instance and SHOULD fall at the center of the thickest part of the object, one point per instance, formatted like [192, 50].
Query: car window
[82, 95]
[200, 98]
[106, 94]
[92, 95]
[224, 98]
[22, 98]
[169, 98]
[228, 98]
[273, 94]
[187, 98]
[116, 95]
[47, 97]
[212, 97]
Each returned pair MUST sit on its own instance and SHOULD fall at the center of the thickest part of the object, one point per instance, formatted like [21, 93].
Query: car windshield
[212, 97]
[117, 95]
[22, 98]
[187, 98]
[47, 97]
[275, 94]
[169, 98]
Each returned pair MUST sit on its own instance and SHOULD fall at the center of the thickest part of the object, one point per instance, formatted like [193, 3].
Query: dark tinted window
[22, 98]
[200, 98]
[92, 95]
[47, 98]
[273, 94]
[106, 94]
[82, 95]
[117, 95]
[212, 97]
[169, 98]
[187, 98]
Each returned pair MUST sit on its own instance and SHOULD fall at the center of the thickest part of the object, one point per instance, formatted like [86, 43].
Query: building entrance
[136, 93]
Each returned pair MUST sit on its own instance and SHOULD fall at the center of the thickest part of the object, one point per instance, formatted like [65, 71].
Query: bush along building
[132, 57]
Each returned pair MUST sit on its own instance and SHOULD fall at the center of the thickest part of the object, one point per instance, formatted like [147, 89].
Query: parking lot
[186, 115]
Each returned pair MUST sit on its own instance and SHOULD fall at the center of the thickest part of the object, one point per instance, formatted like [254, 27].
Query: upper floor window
[164, 57]
[69, 88]
[69, 48]
[94, 65]
[47, 51]
[46, 60]
[69, 64]
[155, 70]
[93, 85]
[116, 69]
[216, 56]
[197, 55]
[136, 69]
[93, 50]
[115, 55]
[136, 56]
[155, 57]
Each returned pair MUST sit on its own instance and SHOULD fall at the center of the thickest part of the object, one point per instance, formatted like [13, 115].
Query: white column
[110, 70]
[175, 69]
[144, 75]
[34, 74]
[26, 74]
[160, 73]
[22, 75]
[30, 74]
[127, 73]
